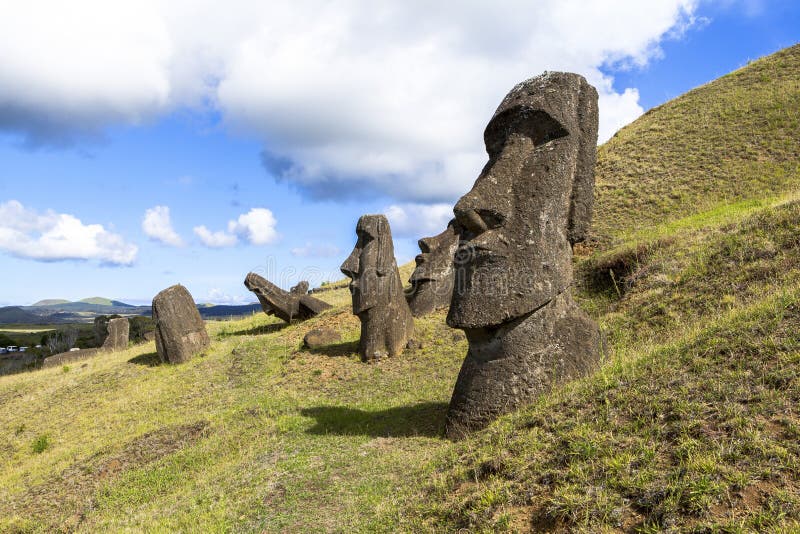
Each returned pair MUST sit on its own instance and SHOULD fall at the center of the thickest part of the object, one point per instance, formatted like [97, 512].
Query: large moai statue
[432, 279]
[378, 299]
[180, 331]
[118, 334]
[530, 204]
[288, 305]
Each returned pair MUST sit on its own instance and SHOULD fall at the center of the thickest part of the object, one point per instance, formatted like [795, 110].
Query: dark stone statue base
[509, 365]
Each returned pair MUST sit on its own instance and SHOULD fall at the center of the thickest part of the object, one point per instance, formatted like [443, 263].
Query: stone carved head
[531, 202]
[432, 279]
[436, 255]
[371, 264]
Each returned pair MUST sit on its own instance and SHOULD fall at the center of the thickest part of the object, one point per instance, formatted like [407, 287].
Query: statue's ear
[582, 198]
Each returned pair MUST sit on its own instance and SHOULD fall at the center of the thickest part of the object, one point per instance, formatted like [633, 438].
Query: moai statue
[530, 204]
[180, 331]
[118, 334]
[432, 279]
[288, 305]
[386, 321]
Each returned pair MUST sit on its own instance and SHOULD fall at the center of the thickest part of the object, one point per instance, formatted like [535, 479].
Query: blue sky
[276, 127]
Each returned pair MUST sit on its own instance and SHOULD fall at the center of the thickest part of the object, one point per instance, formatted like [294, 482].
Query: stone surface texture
[180, 331]
[432, 279]
[377, 292]
[530, 204]
[118, 334]
[287, 305]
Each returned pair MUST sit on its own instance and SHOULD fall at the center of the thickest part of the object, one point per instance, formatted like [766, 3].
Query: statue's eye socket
[537, 125]
[364, 239]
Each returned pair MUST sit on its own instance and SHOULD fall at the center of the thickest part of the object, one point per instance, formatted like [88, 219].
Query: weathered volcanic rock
[180, 331]
[432, 279]
[287, 305]
[530, 204]
[118, 334]
[321, 337]
[378, 299]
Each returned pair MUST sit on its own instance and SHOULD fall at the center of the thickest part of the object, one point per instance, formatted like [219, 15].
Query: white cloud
[418, 220]
[312, 250]
[218, 296]
[256, 226]
[158, 226]
[350, 97]
[215, 239]
[52, 236]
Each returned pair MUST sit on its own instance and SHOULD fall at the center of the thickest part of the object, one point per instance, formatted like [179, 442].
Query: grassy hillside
[733, 139]
[692, 424]
[15, 314]
[50, 302]
[102, 301]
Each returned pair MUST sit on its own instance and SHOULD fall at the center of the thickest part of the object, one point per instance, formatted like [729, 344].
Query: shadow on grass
[345, 348]
[149, 359]
[423, 419]
[256, 330]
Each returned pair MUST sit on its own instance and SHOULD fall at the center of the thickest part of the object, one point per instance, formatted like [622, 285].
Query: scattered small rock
[319, 337]
[413, 344]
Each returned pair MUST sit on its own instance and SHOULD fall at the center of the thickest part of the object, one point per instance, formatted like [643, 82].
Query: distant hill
[209, 311]
[17, 315]
[102, 301]
[50, 302]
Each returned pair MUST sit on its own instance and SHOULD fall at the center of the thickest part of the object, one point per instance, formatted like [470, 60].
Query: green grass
[691, 424]
[733, 139]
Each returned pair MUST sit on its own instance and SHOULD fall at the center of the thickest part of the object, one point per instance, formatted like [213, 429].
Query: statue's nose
[350, 266]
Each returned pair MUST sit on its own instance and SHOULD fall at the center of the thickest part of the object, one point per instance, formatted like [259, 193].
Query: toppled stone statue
[432, 279]
[180, 331]
[118, 334]
[378, 299]
[512, 297]
[288, 305]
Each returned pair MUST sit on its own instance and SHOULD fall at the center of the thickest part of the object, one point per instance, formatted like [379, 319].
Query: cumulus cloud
[256, 226]
[348, 98]
[215, 239]
[218, 296]
[52, 236]
[313, 250]
[157, 225]
[418, 220]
